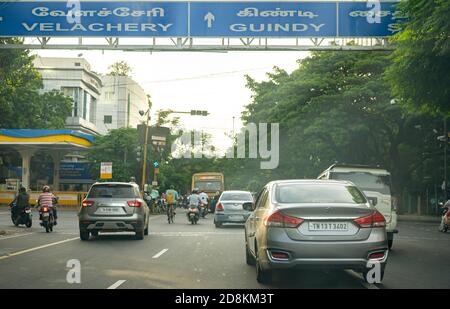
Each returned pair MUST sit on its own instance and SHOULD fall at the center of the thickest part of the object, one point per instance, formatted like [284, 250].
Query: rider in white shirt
[203, 197]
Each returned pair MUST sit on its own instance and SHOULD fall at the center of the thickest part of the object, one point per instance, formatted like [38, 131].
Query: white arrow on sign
[209, 18]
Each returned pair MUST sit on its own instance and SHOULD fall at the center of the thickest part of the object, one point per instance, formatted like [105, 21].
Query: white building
[119, 103]
[73, 76]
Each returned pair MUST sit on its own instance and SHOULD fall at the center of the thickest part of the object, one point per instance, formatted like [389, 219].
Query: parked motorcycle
[24, 217]
[47, 219]
[193, 215]
[445, 218]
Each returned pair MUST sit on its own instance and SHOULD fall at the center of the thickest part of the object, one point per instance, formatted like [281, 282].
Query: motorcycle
[24, 217]
[445, 219]
[193, 215]
[203, 210]
[47, 219]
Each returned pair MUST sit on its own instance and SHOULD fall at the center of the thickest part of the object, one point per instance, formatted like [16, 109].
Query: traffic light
[138, 154]
[155, 164]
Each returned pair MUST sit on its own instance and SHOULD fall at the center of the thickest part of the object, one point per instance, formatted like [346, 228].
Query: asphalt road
[181, 255]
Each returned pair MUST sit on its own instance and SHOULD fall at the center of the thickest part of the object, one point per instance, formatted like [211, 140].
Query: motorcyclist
[204, 198]
[48, 199]
[193, 200]
[214, 201]
[20, 202]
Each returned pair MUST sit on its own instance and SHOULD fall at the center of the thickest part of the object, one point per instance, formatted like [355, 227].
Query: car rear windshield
[318, 193]
[236, 196]
[112, 191]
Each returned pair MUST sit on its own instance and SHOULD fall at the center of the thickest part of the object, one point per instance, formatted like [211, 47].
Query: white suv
[375, 182]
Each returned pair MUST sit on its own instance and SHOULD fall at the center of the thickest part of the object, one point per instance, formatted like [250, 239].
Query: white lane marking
[160, 253]
[14, 236]
[37, 248]
[116, 285]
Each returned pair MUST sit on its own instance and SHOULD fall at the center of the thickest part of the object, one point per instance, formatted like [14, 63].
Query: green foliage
[338, 107]
[421, 61]
[120, 68]
[21, 103]
[119, 146]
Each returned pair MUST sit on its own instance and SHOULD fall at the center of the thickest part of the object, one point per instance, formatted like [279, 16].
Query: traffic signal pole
[144, 165]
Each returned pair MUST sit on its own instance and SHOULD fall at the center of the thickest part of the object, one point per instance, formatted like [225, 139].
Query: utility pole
[445, 156]
[144, 165]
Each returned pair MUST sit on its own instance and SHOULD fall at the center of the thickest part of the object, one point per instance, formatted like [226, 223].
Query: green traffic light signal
[155, 164]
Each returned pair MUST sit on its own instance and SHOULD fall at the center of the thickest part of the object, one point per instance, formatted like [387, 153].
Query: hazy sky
[204, 81]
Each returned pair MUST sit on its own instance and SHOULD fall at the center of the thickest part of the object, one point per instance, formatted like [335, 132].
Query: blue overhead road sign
[353, 21]
[94, 19]
[263, 19]
[197, 19]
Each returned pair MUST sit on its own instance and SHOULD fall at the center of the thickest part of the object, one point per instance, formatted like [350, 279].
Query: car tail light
[87, 203]
[219, 207]
[376, 219]
[278, 219]
[134, 204]
[376, 255]
[44, 209]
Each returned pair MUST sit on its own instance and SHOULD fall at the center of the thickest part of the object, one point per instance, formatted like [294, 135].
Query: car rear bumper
[112, 224]
[230, 217]
[327, 254]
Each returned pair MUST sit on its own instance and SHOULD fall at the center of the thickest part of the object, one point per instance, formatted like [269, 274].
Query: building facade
[73, 77]
[119, 104]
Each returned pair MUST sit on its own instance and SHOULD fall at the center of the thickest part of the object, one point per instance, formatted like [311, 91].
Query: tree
[21, 103]
[119, 146]
[339, 107]
[420, 68]
[120, 68]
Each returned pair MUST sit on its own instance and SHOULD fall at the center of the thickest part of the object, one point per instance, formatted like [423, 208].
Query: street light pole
[144, 165]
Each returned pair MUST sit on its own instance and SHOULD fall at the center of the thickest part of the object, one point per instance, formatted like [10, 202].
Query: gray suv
[113, 207]
[314, 223]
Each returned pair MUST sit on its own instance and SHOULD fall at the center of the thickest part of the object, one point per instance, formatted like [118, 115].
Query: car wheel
[84, 234]
[262, 276]
[29, 223]
[139, 234]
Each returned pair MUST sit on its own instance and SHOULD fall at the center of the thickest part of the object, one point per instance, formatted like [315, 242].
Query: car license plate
[328, 226]
[110, 210]
[45, 214]
[236, 218]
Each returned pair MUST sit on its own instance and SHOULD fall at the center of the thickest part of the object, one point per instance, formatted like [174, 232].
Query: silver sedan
[315, 223]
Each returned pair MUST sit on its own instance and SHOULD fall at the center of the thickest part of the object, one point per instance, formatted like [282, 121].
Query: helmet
[45, 189]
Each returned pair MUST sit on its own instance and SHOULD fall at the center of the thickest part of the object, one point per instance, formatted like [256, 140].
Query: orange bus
[210, 182]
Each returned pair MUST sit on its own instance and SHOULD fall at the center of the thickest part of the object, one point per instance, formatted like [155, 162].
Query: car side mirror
[249, 206]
